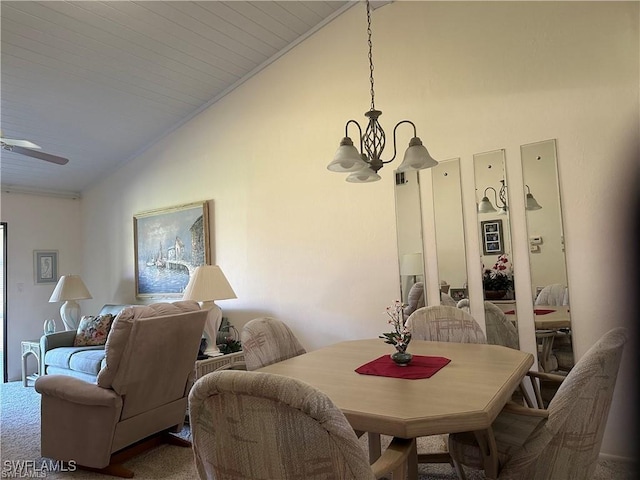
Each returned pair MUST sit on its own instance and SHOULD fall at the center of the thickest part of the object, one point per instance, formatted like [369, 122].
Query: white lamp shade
[416, 157]
[485, 206]
[347, 158]
[532, 204]
[365, 175]
[411, 264]
[208, 283]
[70, 287]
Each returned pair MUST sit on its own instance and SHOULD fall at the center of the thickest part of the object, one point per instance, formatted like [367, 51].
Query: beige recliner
[141, 391]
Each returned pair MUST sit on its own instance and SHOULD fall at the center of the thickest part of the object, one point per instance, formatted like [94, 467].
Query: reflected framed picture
[45, 266]
[169, 244]
[492, 239]
[458, 293]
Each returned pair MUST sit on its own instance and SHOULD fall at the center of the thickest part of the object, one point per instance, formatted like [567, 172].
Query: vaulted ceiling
[98, 82]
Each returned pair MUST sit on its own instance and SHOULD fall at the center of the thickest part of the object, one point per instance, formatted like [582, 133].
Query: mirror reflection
[409, 231]
[449, 231]
[547, 260]
[492, 198]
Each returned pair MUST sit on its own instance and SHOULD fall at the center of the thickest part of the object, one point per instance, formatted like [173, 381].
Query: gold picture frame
[169, 244]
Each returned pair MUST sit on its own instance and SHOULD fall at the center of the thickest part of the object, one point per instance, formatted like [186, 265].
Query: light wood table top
[559, 318]
[465, 395]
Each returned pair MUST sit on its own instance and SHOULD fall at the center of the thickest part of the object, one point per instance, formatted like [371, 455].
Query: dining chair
[500, 331]
[562, 441]
[268, 340]
[415, 298]
[255, 425]
[554, 294]
[444, 323]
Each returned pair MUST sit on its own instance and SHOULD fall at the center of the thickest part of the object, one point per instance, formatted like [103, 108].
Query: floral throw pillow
[93, 330]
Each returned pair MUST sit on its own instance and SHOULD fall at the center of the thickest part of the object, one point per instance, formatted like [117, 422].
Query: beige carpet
[20, 441]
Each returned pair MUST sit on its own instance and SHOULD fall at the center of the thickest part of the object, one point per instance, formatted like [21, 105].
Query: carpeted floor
[20, 441]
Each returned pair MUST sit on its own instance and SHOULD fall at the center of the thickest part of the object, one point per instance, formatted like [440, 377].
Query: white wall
[299, 243]
[36, 223]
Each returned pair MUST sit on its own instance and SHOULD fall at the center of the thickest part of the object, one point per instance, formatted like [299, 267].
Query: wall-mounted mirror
[410, 246]
[449, 231]
[547, 260]
[492, 198]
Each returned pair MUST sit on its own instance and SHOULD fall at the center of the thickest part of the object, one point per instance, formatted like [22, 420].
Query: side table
[30, 347]
[212, 364]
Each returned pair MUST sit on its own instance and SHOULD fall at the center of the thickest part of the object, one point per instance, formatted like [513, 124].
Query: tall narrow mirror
[549, 286]
[449, 231]
[492, 198]
[410, 246]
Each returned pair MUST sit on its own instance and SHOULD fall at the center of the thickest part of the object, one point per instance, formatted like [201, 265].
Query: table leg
[375, 448]
[489, 450]
[412, 470]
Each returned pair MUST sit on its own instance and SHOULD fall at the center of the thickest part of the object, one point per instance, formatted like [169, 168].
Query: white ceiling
[98, 82]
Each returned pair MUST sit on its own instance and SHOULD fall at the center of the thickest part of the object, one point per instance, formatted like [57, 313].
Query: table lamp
[69, 289]
[411, 265]
[207, 284]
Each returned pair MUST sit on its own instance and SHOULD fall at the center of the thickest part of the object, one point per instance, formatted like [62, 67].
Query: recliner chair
[142, 390]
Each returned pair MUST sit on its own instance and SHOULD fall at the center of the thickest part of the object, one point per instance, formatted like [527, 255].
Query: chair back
[415, 298]
[268, 340]
[443, 323]
[446, 299]
[254, 425]
[500, 331]
[150, 355]
[567, 445]
[555, 294]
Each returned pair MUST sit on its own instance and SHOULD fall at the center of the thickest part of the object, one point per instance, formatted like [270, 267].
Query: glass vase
[401, 357]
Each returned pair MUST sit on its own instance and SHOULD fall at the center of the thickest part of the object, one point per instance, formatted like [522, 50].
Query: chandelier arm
[395, 148]
[495, 194]
[503, 194]
[346, 132]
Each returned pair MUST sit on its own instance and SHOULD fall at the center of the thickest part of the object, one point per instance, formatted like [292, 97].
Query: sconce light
[531, 204]
[485, 205]
[363, 166]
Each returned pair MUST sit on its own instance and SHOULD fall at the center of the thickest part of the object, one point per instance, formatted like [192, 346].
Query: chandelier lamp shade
[207, 284]
[363, 164]
[69, 289]
[531, 202]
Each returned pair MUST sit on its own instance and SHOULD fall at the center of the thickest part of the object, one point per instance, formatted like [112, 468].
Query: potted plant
[497, 280]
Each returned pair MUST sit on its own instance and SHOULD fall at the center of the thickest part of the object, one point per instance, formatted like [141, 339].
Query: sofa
[59, 356]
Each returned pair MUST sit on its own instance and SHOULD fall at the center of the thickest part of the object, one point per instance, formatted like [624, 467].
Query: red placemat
[542, 311]
[421, 366]
[510, 312]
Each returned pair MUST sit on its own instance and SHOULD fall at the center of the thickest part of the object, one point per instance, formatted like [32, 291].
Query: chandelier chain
[373, 106]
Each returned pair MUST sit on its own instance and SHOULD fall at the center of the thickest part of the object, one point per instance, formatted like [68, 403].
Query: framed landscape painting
[169, 244]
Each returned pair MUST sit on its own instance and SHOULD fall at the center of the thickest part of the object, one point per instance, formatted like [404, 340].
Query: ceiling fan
[25, 147]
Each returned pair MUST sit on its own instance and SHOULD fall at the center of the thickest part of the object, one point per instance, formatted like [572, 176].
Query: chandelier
[500, 198]
[365, 164]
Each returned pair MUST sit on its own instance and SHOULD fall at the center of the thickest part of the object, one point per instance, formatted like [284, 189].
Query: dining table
[466, 394]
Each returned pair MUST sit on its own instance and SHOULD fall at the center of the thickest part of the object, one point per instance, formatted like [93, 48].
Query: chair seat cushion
[510, 430]
[82, 359]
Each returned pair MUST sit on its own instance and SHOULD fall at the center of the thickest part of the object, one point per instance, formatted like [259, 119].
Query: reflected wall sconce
[531, 203]
[69, 289]
[207, 284]
[485, 205]
[364, 165]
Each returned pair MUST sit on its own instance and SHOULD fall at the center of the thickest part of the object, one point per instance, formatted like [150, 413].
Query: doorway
[3, 303]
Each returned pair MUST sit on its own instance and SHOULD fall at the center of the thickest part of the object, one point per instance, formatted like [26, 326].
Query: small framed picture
[458, 293]
[492, 240]
[45, 266]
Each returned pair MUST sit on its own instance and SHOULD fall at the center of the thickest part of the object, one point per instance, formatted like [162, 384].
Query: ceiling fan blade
[41, 155]
[19, 143]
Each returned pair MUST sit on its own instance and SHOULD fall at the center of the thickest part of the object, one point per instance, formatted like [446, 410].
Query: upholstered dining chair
[415, 298]
[253, 425]
[500, 331]
[268, 340]
[554, 294]
[562, 441]
[444, 323]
